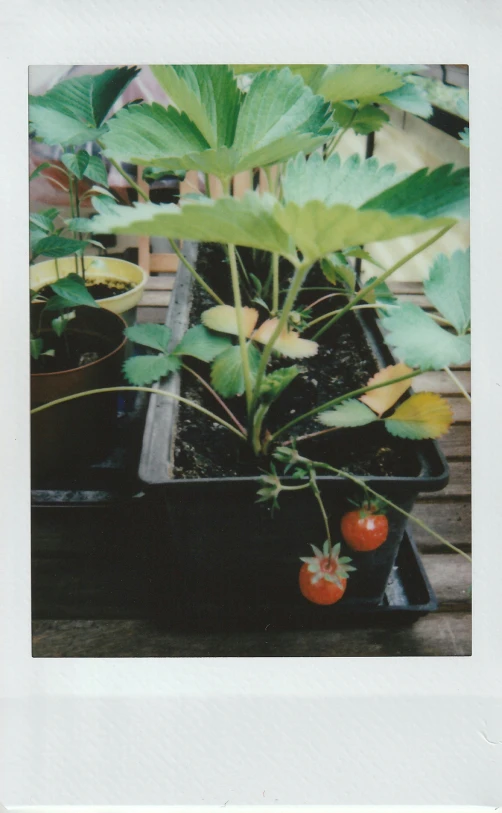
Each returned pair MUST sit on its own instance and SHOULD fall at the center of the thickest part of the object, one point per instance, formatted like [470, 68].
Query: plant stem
[301, 272]
[317, 495]
[368, 288]
[257, 424]
[311, 435]
[127, 177]
[322, 299]
[141, 389]
[57, 268]
[216, 397]
[194, 273]
[457, 383]
[366, 487]
[335, 401]
[332, 313]
[275, 283]
[246, 372]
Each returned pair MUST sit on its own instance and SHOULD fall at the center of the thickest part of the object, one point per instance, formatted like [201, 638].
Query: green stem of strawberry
[317, 495]
[318, 465]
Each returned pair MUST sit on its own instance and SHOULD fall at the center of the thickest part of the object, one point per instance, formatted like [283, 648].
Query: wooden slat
[156, 299]
[191, 183]
[452, 520]
[451, 578]
[164, 262]
[163, 282]
[457, 442]
[461, 409]
[459, 486]
[215, 187]
[439, 381]
[440, 634]
[151, 315]
[243, 181]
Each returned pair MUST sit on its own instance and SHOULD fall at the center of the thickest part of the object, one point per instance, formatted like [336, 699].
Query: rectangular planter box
[217, 554]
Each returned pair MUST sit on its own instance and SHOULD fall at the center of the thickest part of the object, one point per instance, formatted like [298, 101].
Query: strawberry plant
[315, 217]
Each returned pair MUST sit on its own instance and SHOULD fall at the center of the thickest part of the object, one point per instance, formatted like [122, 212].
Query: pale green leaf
[420, 342]
[348, 413]
[148, 335]
[209, 96]
[202, 343]
[423, 415]
[318, 230]
[226, 373]
[464, 137]
[279, 117]
[448, 288]
[447, 97]
[141, 371]
[412, 99]
[54, 128]
[60, 323]
[343, 82]
[311, 74]
[354, 182]
[38, 170]
[96, 170]
[76, 162]
[153, 135]
[36, 347]
[80, 224]
[249, 222]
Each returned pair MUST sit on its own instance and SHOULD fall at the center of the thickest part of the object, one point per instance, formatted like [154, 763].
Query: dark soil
[99, 290]
[344, 363]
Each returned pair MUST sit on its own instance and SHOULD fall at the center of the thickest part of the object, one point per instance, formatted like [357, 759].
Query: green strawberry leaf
[444, 192]
[348, 413]
[226, 373]
[222, 132]
[337, 272]
[276, 382]
[343, 82]
[411, 98]
[202, 343]
[141, 371]
[448, 288]
[209, 96]
[155, 336]
[353, 182]
[420, 342]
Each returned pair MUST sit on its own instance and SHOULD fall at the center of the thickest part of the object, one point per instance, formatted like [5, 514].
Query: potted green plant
[71, 115]
[243, 348]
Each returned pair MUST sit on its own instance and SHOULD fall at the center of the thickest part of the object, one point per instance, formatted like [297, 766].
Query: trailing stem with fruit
[317, 213]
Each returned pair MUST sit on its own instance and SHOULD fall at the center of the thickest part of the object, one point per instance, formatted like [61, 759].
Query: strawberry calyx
[327, 565]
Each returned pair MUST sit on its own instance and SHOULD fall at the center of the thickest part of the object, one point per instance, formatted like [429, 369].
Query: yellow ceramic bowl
[97, 269]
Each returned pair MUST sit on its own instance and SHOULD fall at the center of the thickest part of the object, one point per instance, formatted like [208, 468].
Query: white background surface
[276, 731]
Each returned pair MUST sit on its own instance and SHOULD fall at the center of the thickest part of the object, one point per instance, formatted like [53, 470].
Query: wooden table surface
[444, 632]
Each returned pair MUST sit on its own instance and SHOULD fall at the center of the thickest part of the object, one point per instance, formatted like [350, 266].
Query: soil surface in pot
[73, 349]
[104, 289]
[344, 362]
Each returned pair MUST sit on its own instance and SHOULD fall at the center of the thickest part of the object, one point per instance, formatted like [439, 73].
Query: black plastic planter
[220, 556]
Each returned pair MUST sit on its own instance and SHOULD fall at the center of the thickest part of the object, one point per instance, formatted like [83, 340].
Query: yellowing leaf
[224, 319]
[423, 415]
[382, 399]
[289, 343]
